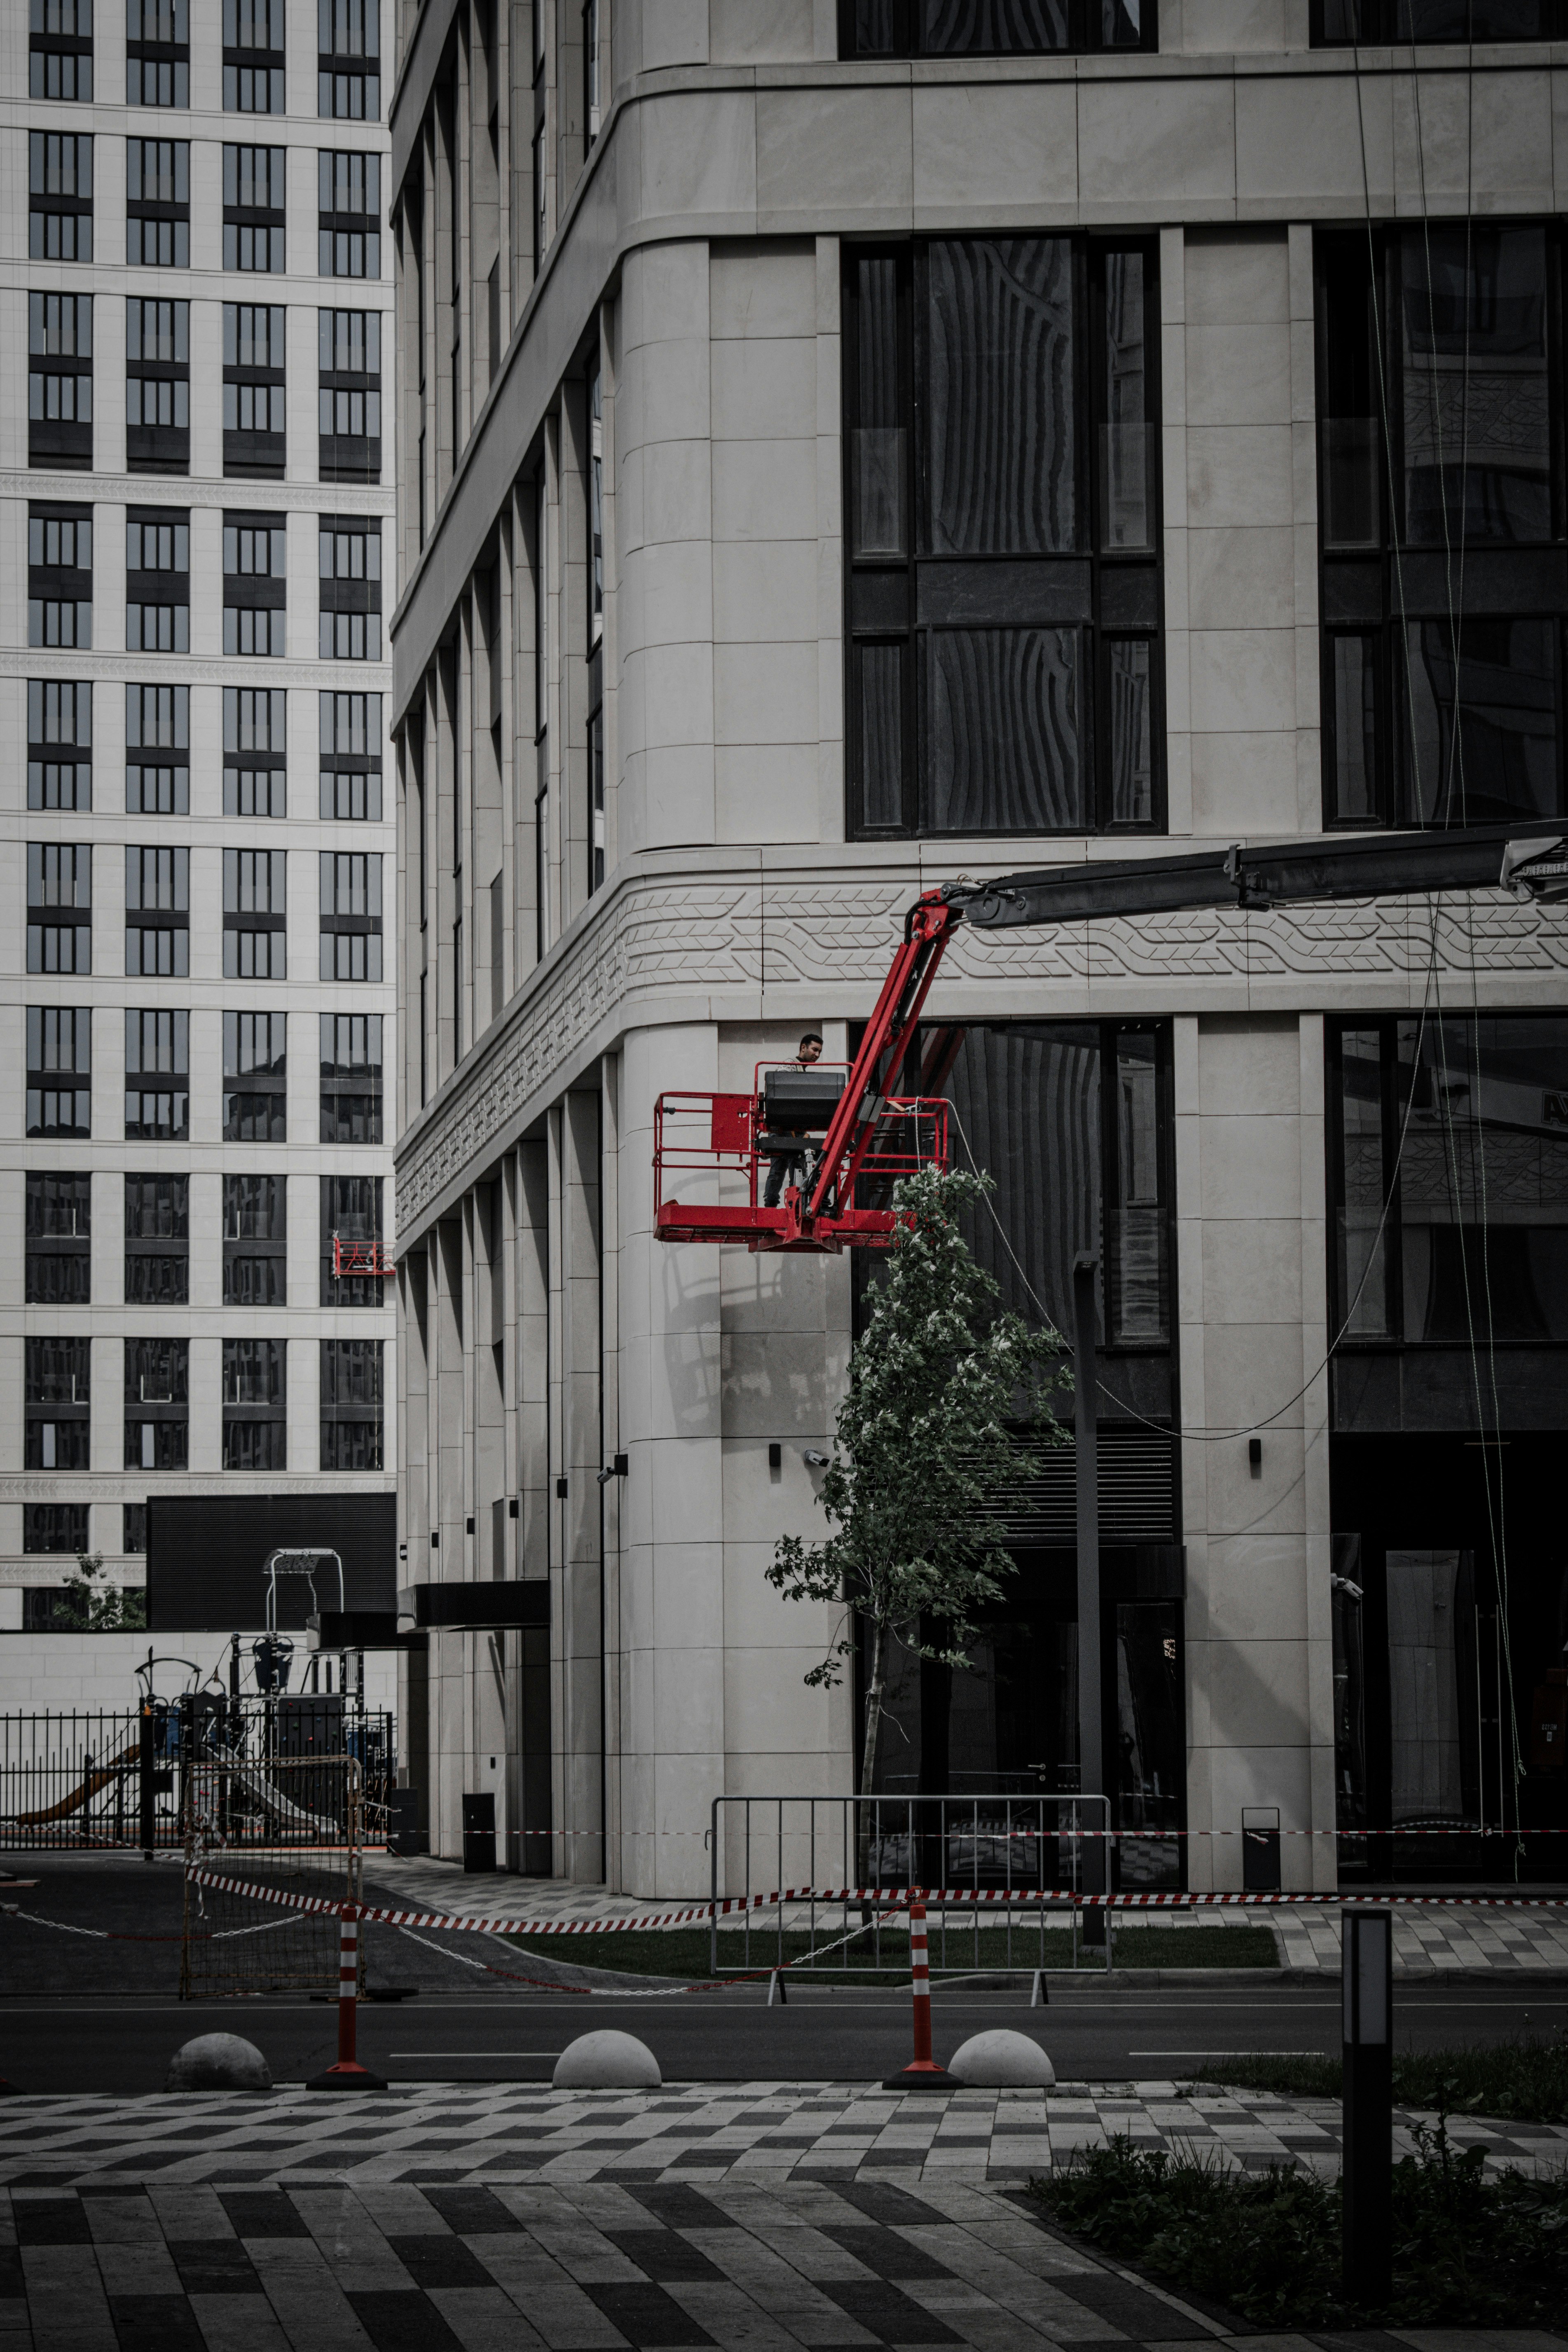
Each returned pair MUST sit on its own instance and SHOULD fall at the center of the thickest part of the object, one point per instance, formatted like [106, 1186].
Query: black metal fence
[139, 1777]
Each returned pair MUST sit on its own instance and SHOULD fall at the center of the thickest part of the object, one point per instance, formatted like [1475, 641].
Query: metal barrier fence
[299, 1823]
[994, 1843]
[132, 1777]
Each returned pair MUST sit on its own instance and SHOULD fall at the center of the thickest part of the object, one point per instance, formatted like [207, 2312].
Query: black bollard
[1367, 1949]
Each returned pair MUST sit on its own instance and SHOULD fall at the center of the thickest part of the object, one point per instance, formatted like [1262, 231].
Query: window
[349, 210]
[59, 381]
[253, 208]
[350, 915]
[1441, 703]
[255, 774]
[157, 1405]
[255, 921]
[350, 589]
[541, 715]
[1004, 665]
[157, 579]
[58, 1269]
[595, 743]
[351, 1078]
[352, 1412]
[158, 202]
[59, 1070]
[255, 1241]
[158, 722]
[350, 368]
[255, 1077]
[350, 757]
[134, 1528]
[157, 1241]
[255, 1404]
[59, 62]
[158, 387]
[991, 28]
[157, 1077]
[253, 56]
[157, 913]
[157, 52]
[348, 45]
[591, 109]
[54, 1526]
[60, 574]
[254, 428]
[60, 196]
[351, 1208]
[60, 744]
[1337, 22]
[59, 907]
[58, 1376]
[254, 585]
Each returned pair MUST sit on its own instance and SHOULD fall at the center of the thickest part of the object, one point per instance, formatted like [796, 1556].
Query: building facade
[195, 674]
[844, 449]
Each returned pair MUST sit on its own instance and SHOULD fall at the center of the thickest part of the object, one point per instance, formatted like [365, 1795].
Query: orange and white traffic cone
[348, 2074]
[922, 2073]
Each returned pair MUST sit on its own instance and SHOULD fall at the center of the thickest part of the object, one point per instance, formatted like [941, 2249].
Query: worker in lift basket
[794, 1167]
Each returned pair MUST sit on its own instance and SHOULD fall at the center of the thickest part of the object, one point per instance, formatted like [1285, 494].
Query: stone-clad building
[842, 448]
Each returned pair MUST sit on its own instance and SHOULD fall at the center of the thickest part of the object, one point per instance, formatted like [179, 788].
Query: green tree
[91, 1606]
[927, 1449]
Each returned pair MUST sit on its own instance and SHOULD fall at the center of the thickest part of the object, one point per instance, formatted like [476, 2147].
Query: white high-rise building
[197, 1005]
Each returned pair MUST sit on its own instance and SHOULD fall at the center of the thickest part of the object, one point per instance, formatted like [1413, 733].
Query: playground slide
[100, 1777]
[252, 1778]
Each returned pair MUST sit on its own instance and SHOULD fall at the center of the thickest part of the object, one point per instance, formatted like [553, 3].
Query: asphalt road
[90, 2043]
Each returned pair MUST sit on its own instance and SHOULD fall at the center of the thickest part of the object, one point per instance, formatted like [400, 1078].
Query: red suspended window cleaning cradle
[359, 1257]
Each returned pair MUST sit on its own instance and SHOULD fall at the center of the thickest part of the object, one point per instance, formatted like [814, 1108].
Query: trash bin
[479, 1832]
[403, 1835]
[1260, 1849]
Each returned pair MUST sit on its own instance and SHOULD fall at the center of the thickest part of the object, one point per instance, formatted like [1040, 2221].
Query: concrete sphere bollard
[218, 2061]
[606, 2060]
[1002, 2060]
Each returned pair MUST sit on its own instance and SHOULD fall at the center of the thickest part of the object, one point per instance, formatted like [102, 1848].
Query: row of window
[158, 54]
[59, 1238]
[158, 206]
[158, 911]
[157, 1071]
[58, 1407]
[158, 747]
[60, 401]
[158, 582]
[953, 28]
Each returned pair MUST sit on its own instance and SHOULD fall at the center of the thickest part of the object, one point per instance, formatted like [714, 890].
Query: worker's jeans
[788, 1168]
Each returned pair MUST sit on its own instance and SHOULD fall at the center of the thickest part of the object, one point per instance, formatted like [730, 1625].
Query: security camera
[813, 1460]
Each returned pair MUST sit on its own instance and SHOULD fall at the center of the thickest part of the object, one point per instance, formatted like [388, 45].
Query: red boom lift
[844, 1136]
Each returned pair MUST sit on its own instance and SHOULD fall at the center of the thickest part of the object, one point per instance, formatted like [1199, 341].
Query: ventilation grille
[1137, 1492]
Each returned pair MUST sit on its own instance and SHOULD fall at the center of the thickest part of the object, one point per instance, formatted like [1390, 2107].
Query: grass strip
[885, 1955]
[1524, 2080]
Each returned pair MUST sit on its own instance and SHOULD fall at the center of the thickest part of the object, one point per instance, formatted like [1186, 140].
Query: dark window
[157, 52]
[352, 1410]
[351, 1078]
[134, 1528]
[158, 202]
[54, 1526]
[255, 1404]
[592, 100]
[350, 567]
[157, 1241]
[157, 1077]
[158, 750]
[58, 1405]
[349, 60]
[254, 585]
[993, 28]
[541, 723]
[255, 916]
[1003, 537]
[157, 913]
[350, 915]
[349, 201]
[59, 1234]
[255, 1241]
[254, 225]
[59, 381]
[541, 166]
[1444, 574]
[350, 757]
[59, 1070]
[60, 200]
[59, 907]
[349, 363]
[60, 744]
[158, 387]
[157, 579]
[254, 754]
[595, 741]
[253, 389]
[256, 1079]
[60, 574]
[157, 1405]
[1336, 24]
[350, 1208]
[59, 61]
[253, 56]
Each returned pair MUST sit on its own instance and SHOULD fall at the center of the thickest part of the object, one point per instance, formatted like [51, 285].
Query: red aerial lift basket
[359, 1257]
